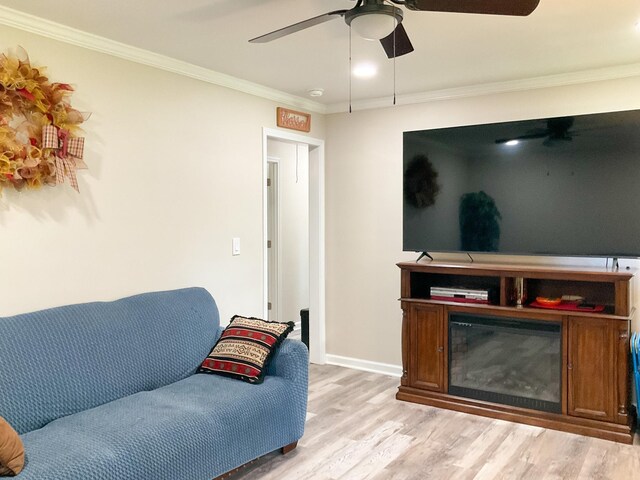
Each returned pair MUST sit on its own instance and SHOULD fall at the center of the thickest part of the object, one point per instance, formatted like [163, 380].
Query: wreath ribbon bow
[69, 152]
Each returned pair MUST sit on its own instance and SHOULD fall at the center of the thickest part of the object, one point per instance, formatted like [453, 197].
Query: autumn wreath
[38, 127]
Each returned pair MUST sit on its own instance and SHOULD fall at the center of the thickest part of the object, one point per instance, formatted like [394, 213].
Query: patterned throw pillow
[11, 450]
[245, 348]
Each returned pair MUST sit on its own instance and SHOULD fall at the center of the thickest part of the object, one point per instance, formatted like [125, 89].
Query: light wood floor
[356, 430]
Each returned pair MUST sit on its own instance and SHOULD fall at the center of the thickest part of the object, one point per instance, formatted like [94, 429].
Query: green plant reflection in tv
[479, 223]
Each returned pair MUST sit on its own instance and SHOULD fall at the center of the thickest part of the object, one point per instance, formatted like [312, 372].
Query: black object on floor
[304, 319]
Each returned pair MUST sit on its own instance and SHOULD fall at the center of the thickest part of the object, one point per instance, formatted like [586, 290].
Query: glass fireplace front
[505, 360]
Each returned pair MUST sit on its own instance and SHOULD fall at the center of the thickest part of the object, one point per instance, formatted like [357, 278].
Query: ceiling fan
[379, 20]
[558, 129]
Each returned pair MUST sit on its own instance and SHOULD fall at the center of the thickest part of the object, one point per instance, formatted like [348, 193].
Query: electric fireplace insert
[506, 360]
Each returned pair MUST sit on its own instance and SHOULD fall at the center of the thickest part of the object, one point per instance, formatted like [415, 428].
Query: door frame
[317, 331]
[276, 249]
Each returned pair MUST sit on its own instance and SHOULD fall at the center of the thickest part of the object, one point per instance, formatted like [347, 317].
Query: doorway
[288, 231]
[311, 151]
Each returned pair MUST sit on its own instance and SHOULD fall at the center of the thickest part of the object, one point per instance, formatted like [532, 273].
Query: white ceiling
[451, 50]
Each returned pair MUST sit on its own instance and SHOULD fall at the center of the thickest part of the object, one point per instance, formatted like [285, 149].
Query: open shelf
[422, 282]
[609, 288]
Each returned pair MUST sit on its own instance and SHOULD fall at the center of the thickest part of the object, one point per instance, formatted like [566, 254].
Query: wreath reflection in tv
[39, 142]
[421, 182]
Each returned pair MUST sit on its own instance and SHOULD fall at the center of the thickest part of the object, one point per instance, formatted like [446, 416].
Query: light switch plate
[235, 246]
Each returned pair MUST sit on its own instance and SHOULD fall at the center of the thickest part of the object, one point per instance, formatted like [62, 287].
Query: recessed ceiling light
[365, 70]
[511, 143]
[315, 92]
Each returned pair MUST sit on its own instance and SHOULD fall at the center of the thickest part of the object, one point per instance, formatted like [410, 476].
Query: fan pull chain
[349, 68]
[394, 63]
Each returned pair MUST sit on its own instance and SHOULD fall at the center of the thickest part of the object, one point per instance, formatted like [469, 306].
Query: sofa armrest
[219, 333]
[291, 364]
[291, 361]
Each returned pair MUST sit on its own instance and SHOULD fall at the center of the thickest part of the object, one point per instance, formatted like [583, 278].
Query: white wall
[293, 184]
[175, 171]
[364, 201]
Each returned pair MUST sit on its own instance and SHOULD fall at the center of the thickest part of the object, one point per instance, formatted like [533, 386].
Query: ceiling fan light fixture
[373, 27]
[373, 21]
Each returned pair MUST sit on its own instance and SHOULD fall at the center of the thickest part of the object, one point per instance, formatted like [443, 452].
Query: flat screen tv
[567, 186]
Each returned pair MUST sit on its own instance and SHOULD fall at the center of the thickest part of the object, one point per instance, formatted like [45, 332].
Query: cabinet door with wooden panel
[426, 357]
[591, 368]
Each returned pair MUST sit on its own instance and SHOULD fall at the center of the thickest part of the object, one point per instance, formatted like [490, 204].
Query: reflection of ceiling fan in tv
[558, 130]
[379, 20]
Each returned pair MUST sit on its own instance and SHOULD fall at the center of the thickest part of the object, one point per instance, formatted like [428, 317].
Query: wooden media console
[449, 346]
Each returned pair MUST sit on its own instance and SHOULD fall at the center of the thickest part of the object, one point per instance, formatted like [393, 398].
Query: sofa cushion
[197, 428]
[245, 348]
[11, 450]
[64, 360]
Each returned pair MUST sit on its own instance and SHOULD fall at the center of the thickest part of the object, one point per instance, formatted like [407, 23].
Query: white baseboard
[365, 365]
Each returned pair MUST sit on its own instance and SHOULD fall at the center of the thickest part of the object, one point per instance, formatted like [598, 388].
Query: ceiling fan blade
[520, 8]
[551, 141]
[402, 42]
[560, 124]
[296, 27]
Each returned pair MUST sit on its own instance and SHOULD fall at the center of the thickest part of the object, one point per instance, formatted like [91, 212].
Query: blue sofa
[107, 391]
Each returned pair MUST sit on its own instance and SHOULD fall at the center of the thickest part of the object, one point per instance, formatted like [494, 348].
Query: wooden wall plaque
[294, 120]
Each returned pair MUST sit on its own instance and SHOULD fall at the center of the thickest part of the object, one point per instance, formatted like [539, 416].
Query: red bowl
[548, 302]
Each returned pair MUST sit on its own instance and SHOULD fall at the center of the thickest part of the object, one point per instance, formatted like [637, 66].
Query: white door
[272, 240]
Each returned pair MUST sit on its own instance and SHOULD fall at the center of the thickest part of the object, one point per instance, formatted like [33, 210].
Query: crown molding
[558, 80]
[56, 31]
